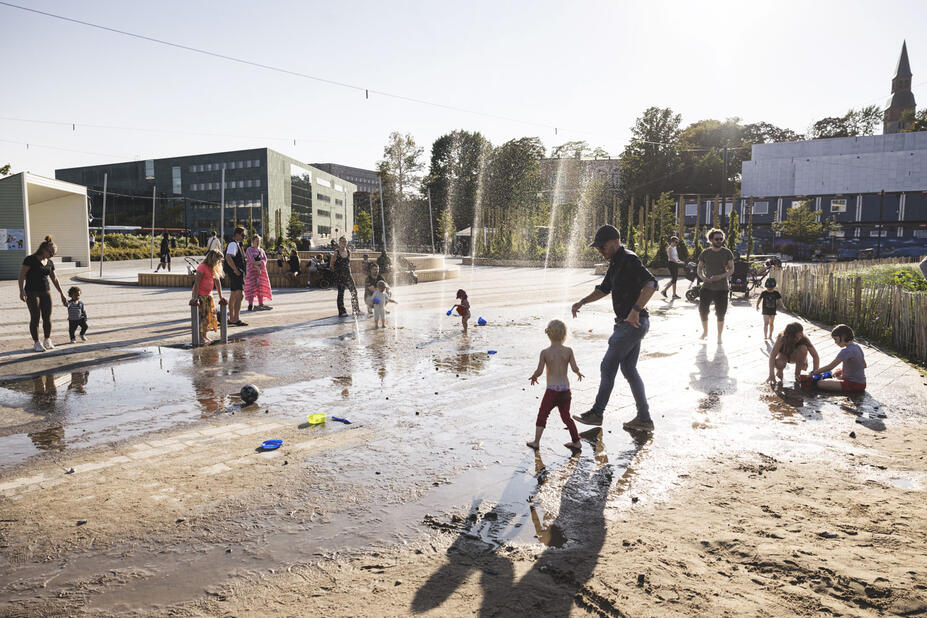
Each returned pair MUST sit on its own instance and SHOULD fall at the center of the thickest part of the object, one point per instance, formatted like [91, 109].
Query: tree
[5, 170]
[733, 231]
[399, 170]
[446, 230]
[599, 153]
[364, 226]
[918, 122]
[575, 150]
[766, 133]
[855, 122]
[294, 228]
[802, 224]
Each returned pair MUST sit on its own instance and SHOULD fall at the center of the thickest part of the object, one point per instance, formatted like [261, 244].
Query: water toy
[481, 322]
[376, 301]
[270, 445]
[341, 420]
[451, 310]
[315, 419]
[492, 352]
[822, 376]
[249, 393]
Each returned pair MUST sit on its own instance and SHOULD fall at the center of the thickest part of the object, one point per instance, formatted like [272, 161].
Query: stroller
[695, 282]
[742, 281]
[326, 277]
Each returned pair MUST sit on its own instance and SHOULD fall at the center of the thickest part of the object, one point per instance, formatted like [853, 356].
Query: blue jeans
[624, 346]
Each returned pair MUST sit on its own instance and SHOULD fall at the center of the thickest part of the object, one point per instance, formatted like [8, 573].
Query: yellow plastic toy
[316, 419]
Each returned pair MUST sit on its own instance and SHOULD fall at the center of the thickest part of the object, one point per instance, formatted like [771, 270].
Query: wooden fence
[886, 314]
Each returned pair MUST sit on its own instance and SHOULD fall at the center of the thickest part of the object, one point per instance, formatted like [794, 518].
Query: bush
[115, 252]
[908, 276]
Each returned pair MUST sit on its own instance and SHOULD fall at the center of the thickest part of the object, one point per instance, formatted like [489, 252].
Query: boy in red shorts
[557, 358]
[852, 378]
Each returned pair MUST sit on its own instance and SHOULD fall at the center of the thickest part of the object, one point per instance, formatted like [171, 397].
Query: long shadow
[560, 572]
[712, 377]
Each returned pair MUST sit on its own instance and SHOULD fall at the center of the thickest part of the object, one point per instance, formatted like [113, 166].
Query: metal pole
[879, 233]
[195, 323]
[223, 322]
[373, 232]
[382, 217]
[431, 220]
[103, 225]
[222, 206]
[153, 189]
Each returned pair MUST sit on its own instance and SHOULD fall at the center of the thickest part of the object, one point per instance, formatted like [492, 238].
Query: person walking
[715, 265]
[630, 285]
[235, 269]
[341, 265]
[164, 253]
[34, 290]
[214, 244]
[257, 283]
[672, 255]
[385, 264]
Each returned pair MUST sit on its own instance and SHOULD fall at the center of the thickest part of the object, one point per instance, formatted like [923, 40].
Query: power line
[29, 145]
[269, 67]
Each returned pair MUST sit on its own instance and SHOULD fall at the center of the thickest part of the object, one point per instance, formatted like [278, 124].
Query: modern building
[33, 207]
[366, 181]
[263, 188]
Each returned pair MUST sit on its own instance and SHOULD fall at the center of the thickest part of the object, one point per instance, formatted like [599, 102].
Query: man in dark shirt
[715, 265]
[370, 285]
[631, 285]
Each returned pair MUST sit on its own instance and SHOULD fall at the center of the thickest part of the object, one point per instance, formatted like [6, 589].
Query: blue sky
[587, 67]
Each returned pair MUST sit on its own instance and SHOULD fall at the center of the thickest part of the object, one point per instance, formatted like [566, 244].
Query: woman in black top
[35, 291]
[165, 253]
[341, 265]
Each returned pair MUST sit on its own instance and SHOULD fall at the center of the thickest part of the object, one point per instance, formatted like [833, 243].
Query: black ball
[249, 393]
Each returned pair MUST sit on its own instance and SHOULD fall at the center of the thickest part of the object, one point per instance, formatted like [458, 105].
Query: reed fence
[886, 313]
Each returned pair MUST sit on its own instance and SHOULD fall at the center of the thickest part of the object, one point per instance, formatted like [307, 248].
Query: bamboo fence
[886, 314]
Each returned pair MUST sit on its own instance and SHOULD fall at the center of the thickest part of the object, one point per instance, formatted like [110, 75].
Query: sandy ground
[747, 499]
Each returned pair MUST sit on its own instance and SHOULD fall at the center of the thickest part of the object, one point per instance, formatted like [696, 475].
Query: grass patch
[908, 276]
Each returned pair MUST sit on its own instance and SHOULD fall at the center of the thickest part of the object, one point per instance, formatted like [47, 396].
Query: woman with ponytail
[35, 291]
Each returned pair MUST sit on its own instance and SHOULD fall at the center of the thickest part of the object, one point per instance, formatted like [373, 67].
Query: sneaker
[636, 424]
[48, 344]
[38, 347]
[250, 307]
[264, 308]
[589, 418]
[73, 340]
[238, 323]
[83, 337]
[676, 296]
[663, 292]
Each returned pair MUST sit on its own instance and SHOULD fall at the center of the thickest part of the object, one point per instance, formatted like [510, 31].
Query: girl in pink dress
[257, 283]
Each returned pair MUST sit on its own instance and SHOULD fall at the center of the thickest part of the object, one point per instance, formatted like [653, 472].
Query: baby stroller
[695, 282]
[326, 277]
[742, 280]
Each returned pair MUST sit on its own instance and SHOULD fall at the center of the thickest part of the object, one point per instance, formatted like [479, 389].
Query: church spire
[898, 114]
[904, 69]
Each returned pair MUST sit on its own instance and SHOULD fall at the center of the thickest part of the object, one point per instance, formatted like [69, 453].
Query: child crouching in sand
[791, 347]
[852, 378]
[556, 358]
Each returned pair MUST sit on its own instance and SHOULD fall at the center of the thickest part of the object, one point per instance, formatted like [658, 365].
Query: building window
[323, 182]
[192, 169]
[920, 233]
[257, 183]
[761, 208]
[149, 169]
[323, 213]
[322, 197]
[324, 230]
[838, 205]
[691, 210]
[837, 234]
[339, 188]
[257, 163]
[876, 234]
[177, 187]
[338, 215]
[339, 202]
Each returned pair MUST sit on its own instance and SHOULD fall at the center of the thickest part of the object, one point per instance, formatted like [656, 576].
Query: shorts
[769, 313]
[848, 386]
[705, 298]
[674, 271]
[166, 258]
[236, 282]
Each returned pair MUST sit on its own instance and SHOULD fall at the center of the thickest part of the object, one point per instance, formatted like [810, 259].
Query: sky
[587, 68]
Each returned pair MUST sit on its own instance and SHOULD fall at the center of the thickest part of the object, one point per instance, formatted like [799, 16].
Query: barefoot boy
[852, 378]
[556, 358]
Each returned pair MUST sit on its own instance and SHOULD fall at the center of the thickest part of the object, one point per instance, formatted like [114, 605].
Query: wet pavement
[444, 425]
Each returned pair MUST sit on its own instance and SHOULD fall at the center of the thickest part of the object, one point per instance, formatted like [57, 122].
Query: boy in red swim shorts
[557, 358]
[852, 378]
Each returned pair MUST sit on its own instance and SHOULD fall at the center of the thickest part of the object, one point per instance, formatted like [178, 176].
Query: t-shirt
[715, 264]
[37, 275]
[165, 247]
[854, 364]
[76, 311]
[371, 282]
[770, 300]
[673, 254]
[238, 257]
[214, 244]
[206, 282]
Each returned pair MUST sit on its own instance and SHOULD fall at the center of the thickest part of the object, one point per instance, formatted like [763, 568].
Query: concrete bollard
[195, 322]
[223, 321]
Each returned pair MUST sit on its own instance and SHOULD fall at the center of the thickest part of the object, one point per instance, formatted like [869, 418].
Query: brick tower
[899, 109]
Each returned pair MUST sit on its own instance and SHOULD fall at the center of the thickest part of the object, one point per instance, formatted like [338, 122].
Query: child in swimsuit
[556, 358]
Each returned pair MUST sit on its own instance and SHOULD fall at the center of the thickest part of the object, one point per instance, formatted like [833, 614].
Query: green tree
[802, 224]
[445, 229]
[855, 122]
[399, 169]
[599, 153]
[364, 226]
[5, 169]
[294, 228]
[576, 150]
[918, 121]
[733, 231]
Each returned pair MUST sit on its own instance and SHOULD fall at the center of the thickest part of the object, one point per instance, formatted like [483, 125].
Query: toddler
[770, 299]
[556, 358]
[77, 315]
[852, 378]
[463, 308]
[380, 299]
[791, 347]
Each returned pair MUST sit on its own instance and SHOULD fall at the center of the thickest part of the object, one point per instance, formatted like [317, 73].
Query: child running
[791, 347]
[852, 378]
[77, 314]
[556, 358]
[770, 299]
[208, 275]
[380, 300]
[463, 308]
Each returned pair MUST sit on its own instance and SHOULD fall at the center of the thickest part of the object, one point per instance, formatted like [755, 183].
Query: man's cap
[605, 234]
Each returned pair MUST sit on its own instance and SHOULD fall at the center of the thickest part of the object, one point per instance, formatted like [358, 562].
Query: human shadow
[712, 377]
[574, 540]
